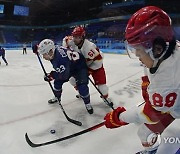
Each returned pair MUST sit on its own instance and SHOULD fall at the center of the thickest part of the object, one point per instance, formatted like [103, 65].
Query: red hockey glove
[144, 85]
[112, 119]
[49, 77]
[35, 49]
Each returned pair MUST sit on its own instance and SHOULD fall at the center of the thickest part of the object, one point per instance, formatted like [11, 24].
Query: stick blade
[29, 141]
[75, 122]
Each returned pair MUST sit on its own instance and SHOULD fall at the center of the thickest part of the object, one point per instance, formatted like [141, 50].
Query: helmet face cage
[45, 46]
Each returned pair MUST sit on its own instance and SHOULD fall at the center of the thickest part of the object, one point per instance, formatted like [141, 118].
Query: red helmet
[78, 31]
[147, 24]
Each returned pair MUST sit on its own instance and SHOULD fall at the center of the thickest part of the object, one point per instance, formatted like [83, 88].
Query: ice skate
[78, 96]
[53, 100]
[89, 108]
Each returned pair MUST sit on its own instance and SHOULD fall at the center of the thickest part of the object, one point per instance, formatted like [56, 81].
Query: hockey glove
[35, 49]
[144, 86]
[112, 119]
[49, 77]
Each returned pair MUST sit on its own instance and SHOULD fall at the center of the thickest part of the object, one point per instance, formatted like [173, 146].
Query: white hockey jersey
[93, 56]
[164, 91]
[164, 88]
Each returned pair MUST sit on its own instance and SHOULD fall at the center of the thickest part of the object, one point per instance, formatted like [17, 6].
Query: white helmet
[45, 46]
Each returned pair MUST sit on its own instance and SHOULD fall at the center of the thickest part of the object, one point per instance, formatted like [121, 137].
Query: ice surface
[24, 108]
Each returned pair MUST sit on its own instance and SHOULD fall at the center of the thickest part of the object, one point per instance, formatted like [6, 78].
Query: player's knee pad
[103, 89]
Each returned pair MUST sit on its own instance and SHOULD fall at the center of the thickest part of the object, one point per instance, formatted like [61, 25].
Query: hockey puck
[52, 131]
[77, 96]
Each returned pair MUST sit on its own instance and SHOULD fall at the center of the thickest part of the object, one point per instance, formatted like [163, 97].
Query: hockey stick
[34, 145]
[63, 138]
[69, 119]
[106, 101]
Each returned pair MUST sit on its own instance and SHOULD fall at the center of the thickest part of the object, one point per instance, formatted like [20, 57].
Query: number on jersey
[73, 55]
[169, 99]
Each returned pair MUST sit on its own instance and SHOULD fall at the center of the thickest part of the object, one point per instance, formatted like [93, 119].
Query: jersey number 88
[169, 99]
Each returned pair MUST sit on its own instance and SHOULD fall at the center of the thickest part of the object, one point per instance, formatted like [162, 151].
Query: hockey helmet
[78, 31]
[45, 46]
[146, 25]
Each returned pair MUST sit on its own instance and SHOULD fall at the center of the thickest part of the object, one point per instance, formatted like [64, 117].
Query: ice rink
[24, 108]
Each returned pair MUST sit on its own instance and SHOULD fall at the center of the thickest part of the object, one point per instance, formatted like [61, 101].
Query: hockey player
[66, 64]
[2, 53]
[149, 36]
[93, 56]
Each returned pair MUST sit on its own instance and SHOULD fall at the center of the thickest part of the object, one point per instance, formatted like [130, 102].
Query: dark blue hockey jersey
[2, 52]
[66, 63]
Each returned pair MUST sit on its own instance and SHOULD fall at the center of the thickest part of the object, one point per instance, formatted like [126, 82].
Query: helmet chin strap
[157, 62]
[157, 59]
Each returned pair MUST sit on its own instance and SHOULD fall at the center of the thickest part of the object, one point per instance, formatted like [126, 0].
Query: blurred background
[28, 21]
